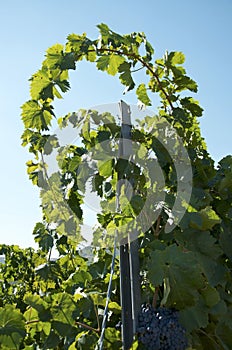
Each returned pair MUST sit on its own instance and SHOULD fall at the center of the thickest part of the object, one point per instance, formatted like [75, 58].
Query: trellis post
[129, 252]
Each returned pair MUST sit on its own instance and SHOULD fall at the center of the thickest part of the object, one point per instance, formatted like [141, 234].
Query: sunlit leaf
[142, 95]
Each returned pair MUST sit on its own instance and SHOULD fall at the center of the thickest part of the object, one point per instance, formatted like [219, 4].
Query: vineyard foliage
[58, 304]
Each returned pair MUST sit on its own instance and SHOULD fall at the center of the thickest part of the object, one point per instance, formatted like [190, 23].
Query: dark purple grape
[159, 329]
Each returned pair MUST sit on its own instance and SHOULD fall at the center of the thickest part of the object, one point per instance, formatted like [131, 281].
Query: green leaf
[64, 329]
[105, 168]
[12, 327]
[176, 57]
[185, 83]
[72, 346]
[51, 341]
[56, 92]
[210, 296]
[74, 202]
[75, 43]
[125, 76]
[35, 117]
[83, 174]
[43, 237]
[192, 105]
[114, 62]
[104, 30]
[194, 317]
[62, 308]
[91, 55]
[42, 307]
[182, 271]
[208, 218]
[97, 184]
[225, 187]
[68, 61]
[226, 241]
[54, 55]
[149, 50]
[200, 242]
[141, 93]
[137, 203]
[39, 82]
[103, 62]
[85, 131]
[81, 278]
[63, 85]
[115, 307]
[224, 333]
[112, 339]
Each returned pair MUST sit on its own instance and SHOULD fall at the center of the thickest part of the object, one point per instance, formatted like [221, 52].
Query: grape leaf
[141, 93]
[105, 167]
[62, 308]
[39, 82]
[182, 270]
[12, 327]
[103, 62]
[114, 62]
[54, 55]
[195, 316]
[35, 117]
[176, 57]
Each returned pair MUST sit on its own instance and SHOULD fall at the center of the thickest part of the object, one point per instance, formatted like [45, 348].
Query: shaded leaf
[103, 62]
[183, 272]
[12, 327]
[194, 317]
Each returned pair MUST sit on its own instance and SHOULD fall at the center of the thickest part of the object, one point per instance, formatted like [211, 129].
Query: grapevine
[59, 304]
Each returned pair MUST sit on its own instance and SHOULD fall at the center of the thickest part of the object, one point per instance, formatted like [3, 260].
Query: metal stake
[129, 257]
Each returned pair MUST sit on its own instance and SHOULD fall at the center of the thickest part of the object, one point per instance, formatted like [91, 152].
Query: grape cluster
[159, 329]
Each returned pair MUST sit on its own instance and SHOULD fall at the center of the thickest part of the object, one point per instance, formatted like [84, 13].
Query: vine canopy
[59, 304]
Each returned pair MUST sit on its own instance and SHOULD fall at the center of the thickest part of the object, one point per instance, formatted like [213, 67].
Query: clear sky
[202, 29]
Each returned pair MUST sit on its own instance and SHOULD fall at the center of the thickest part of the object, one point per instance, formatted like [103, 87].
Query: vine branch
[97, 330]
[144, 64]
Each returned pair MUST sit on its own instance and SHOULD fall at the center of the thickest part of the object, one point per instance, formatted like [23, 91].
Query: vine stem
[96, 313]
[155, 297]
[157, 229]
[32, 321]
[139, 59]
[208, 336]
[97, 330]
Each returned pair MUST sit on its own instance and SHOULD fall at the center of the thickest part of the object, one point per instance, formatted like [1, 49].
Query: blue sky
[201, 29]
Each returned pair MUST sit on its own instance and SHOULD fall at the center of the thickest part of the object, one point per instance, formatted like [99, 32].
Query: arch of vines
[47, 304]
